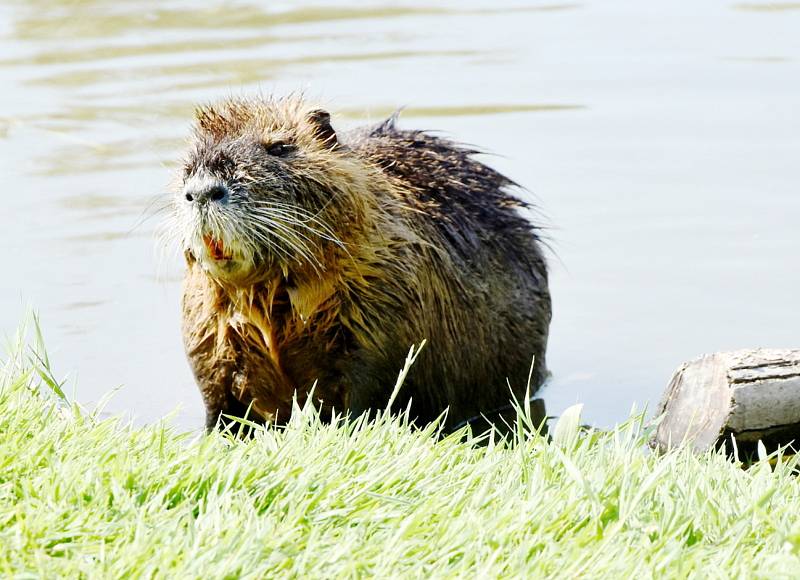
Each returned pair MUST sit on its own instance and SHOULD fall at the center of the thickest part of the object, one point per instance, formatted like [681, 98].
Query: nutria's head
[266, 187]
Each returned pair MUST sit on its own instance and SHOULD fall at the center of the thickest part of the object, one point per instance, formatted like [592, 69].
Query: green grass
[87, 497]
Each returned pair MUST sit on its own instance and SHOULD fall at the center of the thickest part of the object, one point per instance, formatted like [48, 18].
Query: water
[660, 141]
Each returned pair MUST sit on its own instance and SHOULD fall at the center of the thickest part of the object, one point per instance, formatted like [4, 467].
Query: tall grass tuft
[83, 496]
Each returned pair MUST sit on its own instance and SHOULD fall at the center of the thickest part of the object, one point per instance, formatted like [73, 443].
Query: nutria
[319, 258]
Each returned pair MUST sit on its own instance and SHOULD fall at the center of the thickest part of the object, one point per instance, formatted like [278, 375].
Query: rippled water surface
[660, 141]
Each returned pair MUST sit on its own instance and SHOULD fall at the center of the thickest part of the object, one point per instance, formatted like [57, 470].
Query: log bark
[747, 395]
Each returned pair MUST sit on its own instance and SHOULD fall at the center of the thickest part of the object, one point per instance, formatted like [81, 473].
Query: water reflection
[82, 305]
[79, 19]
[768, 6]
[102, 52]
[759, 59]
[91, 203]
[242, 70]
[110, 156]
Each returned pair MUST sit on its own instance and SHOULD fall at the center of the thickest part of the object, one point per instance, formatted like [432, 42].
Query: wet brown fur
[429, 244]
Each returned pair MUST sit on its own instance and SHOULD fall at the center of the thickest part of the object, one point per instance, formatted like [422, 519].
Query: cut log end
[746, 396]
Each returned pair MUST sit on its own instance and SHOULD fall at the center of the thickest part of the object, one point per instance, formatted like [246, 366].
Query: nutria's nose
[206, 194]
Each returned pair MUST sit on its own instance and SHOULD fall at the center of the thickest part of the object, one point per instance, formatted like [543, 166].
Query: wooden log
[749, 395]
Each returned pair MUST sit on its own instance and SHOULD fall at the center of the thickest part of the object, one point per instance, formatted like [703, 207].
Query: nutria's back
[313, 257]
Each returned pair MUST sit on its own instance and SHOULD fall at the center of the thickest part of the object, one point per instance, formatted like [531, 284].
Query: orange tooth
[215, 248]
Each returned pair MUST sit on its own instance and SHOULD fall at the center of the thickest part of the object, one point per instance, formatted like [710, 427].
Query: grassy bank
[84, 497]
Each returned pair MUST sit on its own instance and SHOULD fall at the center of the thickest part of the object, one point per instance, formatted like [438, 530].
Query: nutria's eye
[279, 149]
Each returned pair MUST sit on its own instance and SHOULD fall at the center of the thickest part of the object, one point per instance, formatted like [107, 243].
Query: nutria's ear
[320, 120]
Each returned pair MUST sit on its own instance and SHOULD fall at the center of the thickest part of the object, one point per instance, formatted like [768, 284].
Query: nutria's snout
[205, 220]
[215, 193]
[204, 190]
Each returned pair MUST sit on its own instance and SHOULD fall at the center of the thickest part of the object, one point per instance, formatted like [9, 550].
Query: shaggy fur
[329, 256]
